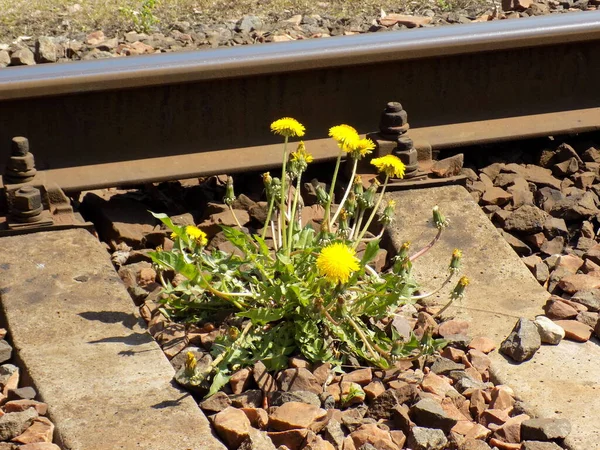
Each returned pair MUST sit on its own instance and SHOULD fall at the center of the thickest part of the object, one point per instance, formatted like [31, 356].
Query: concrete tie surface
[560, 381]
[107, 382]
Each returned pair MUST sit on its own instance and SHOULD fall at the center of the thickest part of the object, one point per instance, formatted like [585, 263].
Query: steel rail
[136, 119]
[341, 51]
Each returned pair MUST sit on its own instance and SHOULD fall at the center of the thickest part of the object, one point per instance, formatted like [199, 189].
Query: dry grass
[58, 17]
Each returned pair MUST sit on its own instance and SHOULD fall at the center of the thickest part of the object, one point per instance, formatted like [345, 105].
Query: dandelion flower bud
[455, 261]
[322, 195]
[229, 195]
[350, 205]
[438, 218]
[388, 213]
[357, 185]
[267, 179]
[459, 289]
[403, 252]
[299, 160]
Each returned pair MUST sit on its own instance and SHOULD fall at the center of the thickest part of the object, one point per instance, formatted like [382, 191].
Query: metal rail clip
[27, 203]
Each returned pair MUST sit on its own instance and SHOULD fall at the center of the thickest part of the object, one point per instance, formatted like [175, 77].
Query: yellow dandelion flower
[336, 262]
[301, 154]
[457, 254]
[288, 127]
[390, 165]
[190, 362]
[464, 281]
[173, 236]
[345, 135]
[196, 234]
[363, 147]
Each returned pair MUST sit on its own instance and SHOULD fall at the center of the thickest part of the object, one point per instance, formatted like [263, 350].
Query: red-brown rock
[297, 415]
[232, 425]
[575, 331]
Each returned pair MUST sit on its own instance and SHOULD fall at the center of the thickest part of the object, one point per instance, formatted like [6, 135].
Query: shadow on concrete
[170, 403]
[128, 320]
[131, 339]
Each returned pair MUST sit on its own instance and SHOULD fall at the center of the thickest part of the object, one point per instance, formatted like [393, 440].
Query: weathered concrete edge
[72, 340]
[563, 364]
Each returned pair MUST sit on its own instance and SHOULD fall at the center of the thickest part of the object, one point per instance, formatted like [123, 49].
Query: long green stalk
[283, 191]
[345, 197]
[292, 214]
[375, 208]
[327, 219]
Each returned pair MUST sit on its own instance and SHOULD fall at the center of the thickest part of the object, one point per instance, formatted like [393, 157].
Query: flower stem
[283, 191]
[345, 197]
[375, 208]
[234, 216]
[370, 346]
[327, 221]
[292, 214]
[357, 223]
[269, 212]
[428, 246]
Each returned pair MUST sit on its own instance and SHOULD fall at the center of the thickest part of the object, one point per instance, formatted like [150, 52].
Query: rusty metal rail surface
[150, 118]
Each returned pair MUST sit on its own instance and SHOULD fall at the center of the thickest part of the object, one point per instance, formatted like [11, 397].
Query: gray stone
[576, 207]
[523, 342]
[553, 247]
[534, 174]
[257, 440]
[463, 381]
[46, 50]
[526, 219]
[278, 398]
[252, 398]
[555, 227]
[539, 445]
[334, 433]
[298, 379]
[13, 424]
[429, 412]
[443, 365]
[92, 346]
[24, 393]
[22, 57]
[547, 197]
[545, 429]
[588, 318]
[5, 351]
[550, 333]
[215, 403]
[4, 58]
[448, 167]
[6, 371]
[426, 439]
[250, 23]
[590, 299]
[520, 247]
[382, 406]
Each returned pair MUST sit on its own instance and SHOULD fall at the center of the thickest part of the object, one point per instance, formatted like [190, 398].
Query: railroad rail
[95, 124]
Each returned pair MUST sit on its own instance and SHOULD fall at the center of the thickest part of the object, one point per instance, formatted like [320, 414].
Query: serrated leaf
[370, 252]
[219, 380]
[262, 316]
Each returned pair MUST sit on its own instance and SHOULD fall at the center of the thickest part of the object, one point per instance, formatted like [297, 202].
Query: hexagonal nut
[21, 163]
[27, 199]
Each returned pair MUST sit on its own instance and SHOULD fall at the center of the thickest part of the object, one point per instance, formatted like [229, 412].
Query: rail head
[312, 54]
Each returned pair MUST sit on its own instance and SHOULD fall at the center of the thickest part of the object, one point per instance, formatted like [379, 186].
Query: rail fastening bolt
[27, 199]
